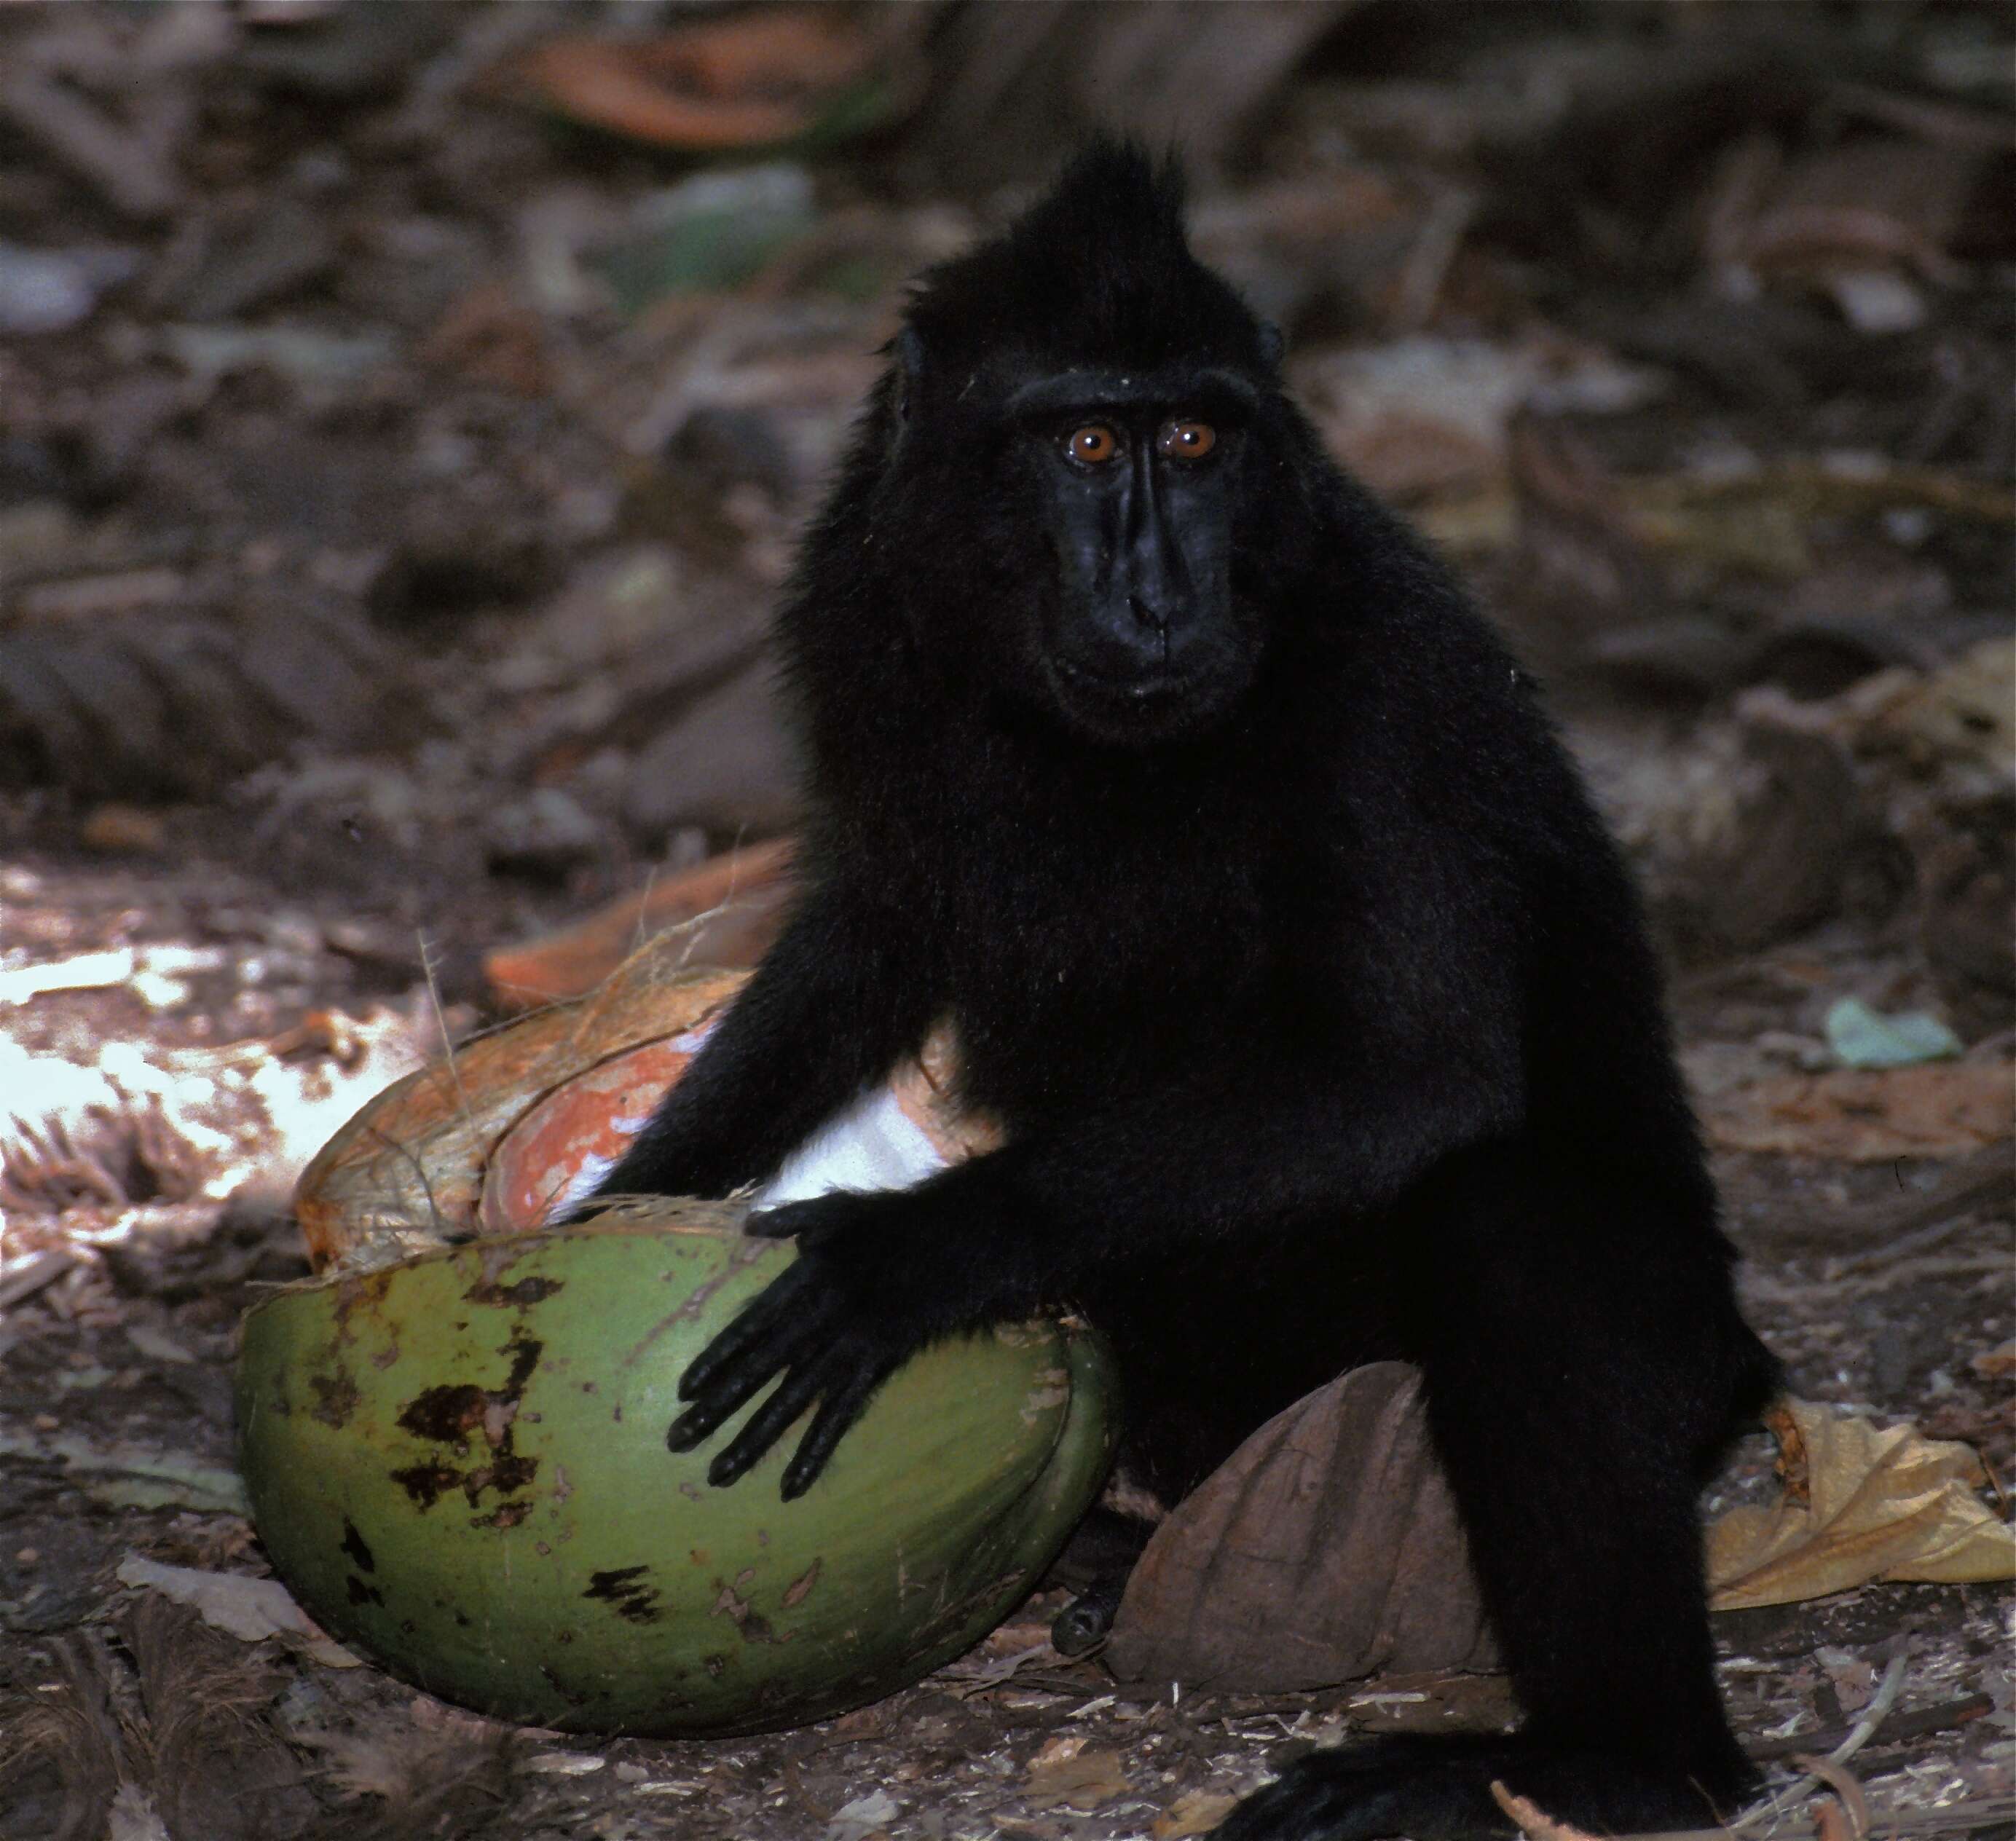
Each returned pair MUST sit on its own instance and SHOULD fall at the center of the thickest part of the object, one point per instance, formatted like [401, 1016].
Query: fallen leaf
[1870, 1116]
[134, 1817]
[1885, 203]
[250, 1609]
[1327, 1548]
[975, 1677]
[1960, 713]
[1997, 1364]
[737, 897]
[157, 1344]
[754, 80]
[1080, 1780]
[135, 1477]
[1863, 1038]
[863, 1817]
[1195, 1812]
[1861, 1503]
[1853, 1677]
[1845, 1815]
[564, 1764]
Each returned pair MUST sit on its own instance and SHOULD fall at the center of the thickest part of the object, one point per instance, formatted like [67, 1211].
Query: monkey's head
[1078, 442]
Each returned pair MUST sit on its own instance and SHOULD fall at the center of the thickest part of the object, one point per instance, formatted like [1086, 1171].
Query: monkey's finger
[836, 1414]
[755, 1323]
[729, 1390]
[790, 1346]
[780, 1223]
[768, 1424]
[816, 1216]
[698, 1423]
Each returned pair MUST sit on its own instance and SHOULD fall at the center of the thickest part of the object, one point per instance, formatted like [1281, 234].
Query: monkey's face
[1141, 638]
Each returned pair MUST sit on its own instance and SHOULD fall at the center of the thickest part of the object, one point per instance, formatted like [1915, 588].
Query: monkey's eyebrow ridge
[1090, 390]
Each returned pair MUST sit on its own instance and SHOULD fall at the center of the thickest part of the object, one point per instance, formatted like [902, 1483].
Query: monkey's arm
[1035, 1224]
[829, 1009]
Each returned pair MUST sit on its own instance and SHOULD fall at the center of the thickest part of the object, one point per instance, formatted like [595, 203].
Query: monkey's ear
[908, 349]
[1272, 343]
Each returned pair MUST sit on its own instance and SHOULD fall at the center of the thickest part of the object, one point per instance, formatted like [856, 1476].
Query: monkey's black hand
[835, 1324]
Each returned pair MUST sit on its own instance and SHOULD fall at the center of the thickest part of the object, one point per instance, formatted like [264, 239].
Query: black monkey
[1276, 925]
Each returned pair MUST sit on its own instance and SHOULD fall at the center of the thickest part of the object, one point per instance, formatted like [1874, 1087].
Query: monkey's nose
[1148, 613]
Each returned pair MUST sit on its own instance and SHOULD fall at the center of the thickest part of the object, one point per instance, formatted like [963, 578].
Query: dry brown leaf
[250, 1609]
[748, 82]
[1861, 1503]
[1876, 202]
[1844, 1815]
[739, 895]
[1998, 1364]
[1870, 1116]
[1327, 1548]
[1195, 1812]
[1077, 1779]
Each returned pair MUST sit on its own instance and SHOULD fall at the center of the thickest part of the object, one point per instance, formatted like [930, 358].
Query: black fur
[1316, 1003]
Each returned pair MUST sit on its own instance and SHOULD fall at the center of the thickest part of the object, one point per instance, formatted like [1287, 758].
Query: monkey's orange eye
[1186, 440]
[1095, 444]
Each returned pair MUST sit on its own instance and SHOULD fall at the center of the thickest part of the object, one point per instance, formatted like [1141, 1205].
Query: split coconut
[456, 1456]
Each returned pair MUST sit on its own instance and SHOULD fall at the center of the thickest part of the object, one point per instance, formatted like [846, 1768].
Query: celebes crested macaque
[1276, 926]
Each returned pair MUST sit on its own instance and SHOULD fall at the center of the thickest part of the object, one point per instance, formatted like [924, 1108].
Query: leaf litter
[1766, 343]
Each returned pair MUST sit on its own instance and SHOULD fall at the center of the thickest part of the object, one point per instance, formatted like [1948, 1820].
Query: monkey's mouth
[1136, 707]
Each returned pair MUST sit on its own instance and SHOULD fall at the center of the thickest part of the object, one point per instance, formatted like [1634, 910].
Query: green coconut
[458, 1464]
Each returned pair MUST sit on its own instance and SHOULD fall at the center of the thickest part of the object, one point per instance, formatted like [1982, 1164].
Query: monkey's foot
[1087, 1621]
[1439, 1789]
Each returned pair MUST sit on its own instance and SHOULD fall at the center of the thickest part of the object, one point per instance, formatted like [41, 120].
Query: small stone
[42, 290]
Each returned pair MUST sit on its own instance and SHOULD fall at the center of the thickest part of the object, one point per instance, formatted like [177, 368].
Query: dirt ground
[389, 504]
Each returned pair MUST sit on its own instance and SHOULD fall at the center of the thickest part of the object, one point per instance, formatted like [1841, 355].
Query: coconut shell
[458, 1464]
[456, 1455]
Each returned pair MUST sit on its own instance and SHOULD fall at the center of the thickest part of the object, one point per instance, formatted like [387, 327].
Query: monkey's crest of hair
[1097, 272]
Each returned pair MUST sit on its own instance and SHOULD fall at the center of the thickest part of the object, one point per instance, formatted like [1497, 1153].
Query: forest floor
[116, 1439]
[384, 545]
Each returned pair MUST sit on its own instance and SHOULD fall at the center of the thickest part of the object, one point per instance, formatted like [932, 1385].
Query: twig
[1426, 269]
[1917, 1724]
[1873, 1715]
[1936, 1218]
[34, 1272]
[1952, 124]
[133, 170]
[1877, 1234]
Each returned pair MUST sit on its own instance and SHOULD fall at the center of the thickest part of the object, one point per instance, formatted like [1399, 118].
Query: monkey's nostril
[1147, 614]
